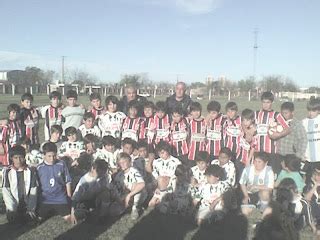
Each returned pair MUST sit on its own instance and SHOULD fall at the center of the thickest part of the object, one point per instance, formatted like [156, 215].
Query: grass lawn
[150, 226]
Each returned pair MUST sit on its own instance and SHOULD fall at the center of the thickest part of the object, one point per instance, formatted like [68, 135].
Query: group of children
[100, 162]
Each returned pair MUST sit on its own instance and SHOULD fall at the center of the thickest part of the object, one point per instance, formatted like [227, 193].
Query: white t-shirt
[109, 157]
[207, 193]
[166, 167]
[199, 175]
[110, 123]
[85, 131]
[129, 178]
[230, 171]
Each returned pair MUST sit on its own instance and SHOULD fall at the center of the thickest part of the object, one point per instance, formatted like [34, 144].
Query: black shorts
[48, 210]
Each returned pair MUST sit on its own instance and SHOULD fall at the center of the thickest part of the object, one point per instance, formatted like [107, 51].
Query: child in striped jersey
[161, 123]
[29, 117]
[214, 135]
[130, 186]
[52, 113]
[224, 161]
[108, 152]
[232, 129]
[266, 142]
[111, 121]
[10, 133]
[248, 139]
[71, 148]
[88, 126]
[148, 113]
[96, 109]
[209, 194]
[312, 127]
[198, 129]
[133, 126]
[163, 172]
[257, 183]
[179, 133]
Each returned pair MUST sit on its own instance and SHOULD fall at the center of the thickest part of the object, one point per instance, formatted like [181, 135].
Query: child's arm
[138, 187]
[68, 188]
[10, 202]
[33, 195]
[245, 194]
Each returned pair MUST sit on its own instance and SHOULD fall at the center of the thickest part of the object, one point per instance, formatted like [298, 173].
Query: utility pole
[255, 52]
[62, 70]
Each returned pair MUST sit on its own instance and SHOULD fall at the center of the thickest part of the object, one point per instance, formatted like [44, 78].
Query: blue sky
[164, 38]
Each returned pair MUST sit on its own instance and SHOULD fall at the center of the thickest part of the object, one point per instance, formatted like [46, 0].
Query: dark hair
[248, 114]
[162, 145]
[49, 147]
[287, 106]
[288, 183]
[215, 170]
[24, 140]
[72, 94]
[202, 156]
[134, 104]
[17, 150]
[231, 106]
[214, 106]
[129, 141]
[124, 155]
[226, 151]
[230, 200]
[56, 128]
[27, 96]
[85, 161]
[178, 109]
[195, 106]
[90, 138]
[88, 115]
[70, 131]
[292, 162]
[142, 144]
[262, 155]
[112, 99]
[101, 166]
[13, 107]
[94, 96]
[55, 94]
[183, 173]
[161, 106]
[149, 104]
[313, 104]
[109, 140]
[267, 96]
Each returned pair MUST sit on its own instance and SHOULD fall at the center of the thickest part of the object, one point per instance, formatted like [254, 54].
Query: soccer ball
[275, 127]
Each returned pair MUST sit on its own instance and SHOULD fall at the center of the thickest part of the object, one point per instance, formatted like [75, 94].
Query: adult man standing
[130, 95]
[179, 98]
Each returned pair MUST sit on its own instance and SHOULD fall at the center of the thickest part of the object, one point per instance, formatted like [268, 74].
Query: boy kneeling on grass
[92, 193]
[55, 182]
[19, 188]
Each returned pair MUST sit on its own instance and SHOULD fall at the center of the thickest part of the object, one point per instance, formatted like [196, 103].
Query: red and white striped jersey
[179, 135]
[97, 112]
[149, 129]
[197, 137]
[30, 124]
[111, 123]
[133, 128]
[52, 116]
[263, 120]
[245, 148]
[232, 134]
[9, 136]
[162, 129]
[215, 135]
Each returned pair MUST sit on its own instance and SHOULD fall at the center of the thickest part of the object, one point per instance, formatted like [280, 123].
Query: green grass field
[149, 226]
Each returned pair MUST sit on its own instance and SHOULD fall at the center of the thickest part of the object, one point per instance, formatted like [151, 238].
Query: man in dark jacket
[131, 94]
[179, 98]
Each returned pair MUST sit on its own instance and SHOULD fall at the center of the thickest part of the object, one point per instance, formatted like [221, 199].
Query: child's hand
[31, 214]
[127, 200]
[245, 200]
[73, 218]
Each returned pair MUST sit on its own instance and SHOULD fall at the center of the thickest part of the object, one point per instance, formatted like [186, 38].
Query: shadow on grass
[156, 226]
[13, 231]
[88, 229]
